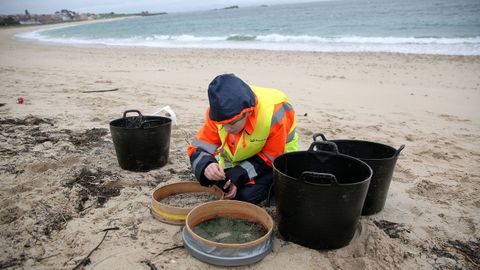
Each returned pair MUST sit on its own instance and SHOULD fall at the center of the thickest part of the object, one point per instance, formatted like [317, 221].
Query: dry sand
[60, 183]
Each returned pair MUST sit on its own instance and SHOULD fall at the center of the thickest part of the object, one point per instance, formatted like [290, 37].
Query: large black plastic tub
[381, 158]
[141, 142]
[319, 196]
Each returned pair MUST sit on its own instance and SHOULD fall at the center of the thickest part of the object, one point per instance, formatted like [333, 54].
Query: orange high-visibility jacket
[268, 133]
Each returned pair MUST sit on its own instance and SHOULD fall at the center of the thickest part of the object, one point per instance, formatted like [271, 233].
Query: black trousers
[257, 192]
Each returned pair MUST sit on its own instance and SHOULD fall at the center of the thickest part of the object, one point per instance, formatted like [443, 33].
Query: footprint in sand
[404, 175]
[431, 191]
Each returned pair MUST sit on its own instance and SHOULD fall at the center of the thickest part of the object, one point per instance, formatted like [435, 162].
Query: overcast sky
[101, 6]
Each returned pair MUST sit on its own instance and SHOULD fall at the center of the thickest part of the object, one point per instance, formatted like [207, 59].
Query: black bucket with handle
[141, 142]
[319, 196]
[381, 158]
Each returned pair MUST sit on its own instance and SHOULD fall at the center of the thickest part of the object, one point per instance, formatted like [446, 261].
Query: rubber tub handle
[129, 111]
[333, 146]
[399, 149]
[316, 135]
[320, 179]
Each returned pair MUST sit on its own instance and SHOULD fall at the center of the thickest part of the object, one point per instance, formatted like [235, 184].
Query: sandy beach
[61, 186]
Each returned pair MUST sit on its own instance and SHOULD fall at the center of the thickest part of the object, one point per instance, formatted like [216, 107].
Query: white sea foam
[373, 40]
[416, 45]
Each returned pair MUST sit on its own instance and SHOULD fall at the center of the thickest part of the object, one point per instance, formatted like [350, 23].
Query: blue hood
[228, 96]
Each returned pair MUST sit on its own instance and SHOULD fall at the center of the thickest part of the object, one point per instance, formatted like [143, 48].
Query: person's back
[246, 128]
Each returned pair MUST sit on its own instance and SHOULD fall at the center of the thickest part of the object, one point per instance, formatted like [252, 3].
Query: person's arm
[260, 164]
[202, 149]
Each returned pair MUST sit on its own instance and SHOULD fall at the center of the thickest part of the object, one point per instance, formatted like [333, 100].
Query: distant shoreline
[44, 27]
[66, 23]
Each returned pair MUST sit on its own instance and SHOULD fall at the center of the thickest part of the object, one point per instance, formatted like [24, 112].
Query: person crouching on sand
[246, 128]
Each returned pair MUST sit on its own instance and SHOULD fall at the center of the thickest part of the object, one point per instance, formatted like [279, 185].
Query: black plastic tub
[141, 142]
[381, 158]
[319, 196]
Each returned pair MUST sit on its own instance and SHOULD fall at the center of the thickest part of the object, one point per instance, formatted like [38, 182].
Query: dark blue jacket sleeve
[199, 161]
[251, 168]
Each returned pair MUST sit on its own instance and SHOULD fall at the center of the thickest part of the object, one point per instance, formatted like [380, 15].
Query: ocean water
[449, 27]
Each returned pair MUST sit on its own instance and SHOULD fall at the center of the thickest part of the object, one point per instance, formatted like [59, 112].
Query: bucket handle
[316, 135]
[333, 146]
[322, 179]
[399, 149]
[129, 111]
